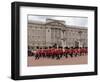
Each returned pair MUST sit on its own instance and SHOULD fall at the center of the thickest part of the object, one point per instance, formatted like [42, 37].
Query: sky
[72, 20]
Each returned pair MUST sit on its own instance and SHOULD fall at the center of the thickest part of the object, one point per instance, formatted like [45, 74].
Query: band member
[42, 52]
[58, 53]
[37, 53]
[75, 51]
[85, 50]
[70, 51]
[53, 52]
[48, 53]
[82, 51]
[45, 52]
[66, 52]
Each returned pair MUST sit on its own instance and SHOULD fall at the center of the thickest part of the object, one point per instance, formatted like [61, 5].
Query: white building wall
[47, 35]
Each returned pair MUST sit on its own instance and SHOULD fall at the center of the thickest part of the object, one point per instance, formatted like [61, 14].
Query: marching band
[58, 53]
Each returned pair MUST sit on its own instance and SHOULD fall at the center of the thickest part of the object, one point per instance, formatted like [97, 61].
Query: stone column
[63, 38]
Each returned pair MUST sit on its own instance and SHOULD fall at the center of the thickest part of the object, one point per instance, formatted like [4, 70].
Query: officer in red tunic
[48, 53]
[54, 52]
[85, 51]
[62, 52]
[58, 53]
[76, 51]
[82, 51]
[45, 50]
[79, 51]
[42, 53]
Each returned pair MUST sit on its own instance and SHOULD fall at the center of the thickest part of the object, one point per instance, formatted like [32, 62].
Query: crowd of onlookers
[57, 53]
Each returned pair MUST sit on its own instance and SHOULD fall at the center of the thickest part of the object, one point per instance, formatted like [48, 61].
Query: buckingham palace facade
[51, 32]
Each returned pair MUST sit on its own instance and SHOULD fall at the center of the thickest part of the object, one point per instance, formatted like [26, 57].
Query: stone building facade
[51, 32]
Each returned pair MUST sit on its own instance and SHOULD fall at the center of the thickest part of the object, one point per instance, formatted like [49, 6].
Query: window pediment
[55, 24]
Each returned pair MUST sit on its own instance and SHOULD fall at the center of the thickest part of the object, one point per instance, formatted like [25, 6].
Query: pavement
[63, 61]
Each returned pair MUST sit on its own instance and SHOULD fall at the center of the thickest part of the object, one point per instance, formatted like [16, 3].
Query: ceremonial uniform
[37, 54]
[76, 52]
[71, 52]
[57, 54]
[66, 53]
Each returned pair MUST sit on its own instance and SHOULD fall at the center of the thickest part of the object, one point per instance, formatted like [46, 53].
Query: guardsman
[58, 55]
[42, 53]
[82, 51]
[37, 54]
[85, 51]
[53, 52]
[76, 52]
[45, 52]
[66, 52]
[48, 53]
[71, 52]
